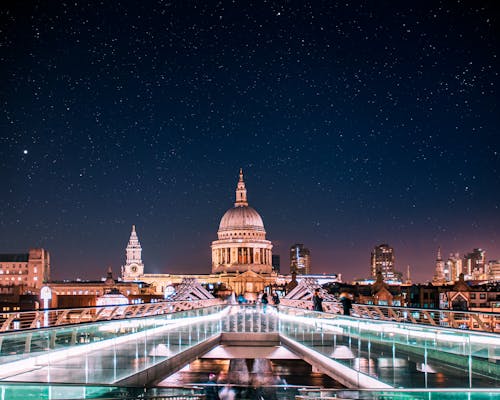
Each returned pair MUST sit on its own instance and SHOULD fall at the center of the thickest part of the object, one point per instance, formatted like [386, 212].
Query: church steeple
[241, 192]
[134, 266]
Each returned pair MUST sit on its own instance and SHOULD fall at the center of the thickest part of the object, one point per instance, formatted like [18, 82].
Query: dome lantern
[241, 192]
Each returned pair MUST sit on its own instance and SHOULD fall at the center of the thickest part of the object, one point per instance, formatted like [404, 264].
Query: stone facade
[241, 244]
[134, 267]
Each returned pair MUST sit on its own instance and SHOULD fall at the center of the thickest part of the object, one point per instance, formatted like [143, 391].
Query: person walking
[346, 303]
[211, 392]
[317, 301]
[264, 302]
[276, 299]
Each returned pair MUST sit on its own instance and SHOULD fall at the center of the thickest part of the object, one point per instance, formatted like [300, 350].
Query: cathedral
[241, 255]
[242, 244]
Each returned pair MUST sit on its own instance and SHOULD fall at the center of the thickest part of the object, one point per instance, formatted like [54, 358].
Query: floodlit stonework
[241, 244]
[134, 267]
[241, 257]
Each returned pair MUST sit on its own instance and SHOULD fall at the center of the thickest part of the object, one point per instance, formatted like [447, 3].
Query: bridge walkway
[357, 352]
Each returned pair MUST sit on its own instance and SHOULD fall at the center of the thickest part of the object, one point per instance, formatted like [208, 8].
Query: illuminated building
[241, 244]
[300, 259]
[474, 265]
[133, 267]
[382, 260]
[453, 267]
[439, 274]
[241, 255]
[29, 270]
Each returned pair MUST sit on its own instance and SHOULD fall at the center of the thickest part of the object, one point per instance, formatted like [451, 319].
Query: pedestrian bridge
[113, 351]
[358, 353]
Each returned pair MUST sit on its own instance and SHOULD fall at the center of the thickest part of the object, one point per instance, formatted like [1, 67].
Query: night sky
[355, 123]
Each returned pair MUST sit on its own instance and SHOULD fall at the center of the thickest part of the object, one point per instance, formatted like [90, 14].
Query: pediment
[251, 274]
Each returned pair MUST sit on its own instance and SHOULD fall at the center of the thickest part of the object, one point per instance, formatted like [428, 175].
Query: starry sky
[355, 123]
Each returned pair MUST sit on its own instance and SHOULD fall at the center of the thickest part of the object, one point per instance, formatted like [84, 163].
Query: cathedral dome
[241, 245]
[241, 218]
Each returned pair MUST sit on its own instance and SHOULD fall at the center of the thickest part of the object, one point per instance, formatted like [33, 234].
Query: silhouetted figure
[264, 301]
[346, 303]
[317, 301]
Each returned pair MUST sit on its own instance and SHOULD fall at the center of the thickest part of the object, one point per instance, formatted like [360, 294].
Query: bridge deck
[391, 353]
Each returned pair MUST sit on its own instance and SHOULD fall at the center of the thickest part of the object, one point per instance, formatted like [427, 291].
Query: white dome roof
[241, 218]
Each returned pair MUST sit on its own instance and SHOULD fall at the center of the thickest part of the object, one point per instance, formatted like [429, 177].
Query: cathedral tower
[133, 268]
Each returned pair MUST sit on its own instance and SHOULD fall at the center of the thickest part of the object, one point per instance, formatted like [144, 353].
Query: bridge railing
[12, 321]
[415, 394]
[473, 320]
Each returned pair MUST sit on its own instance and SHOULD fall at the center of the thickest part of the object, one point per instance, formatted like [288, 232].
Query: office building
[300, 260]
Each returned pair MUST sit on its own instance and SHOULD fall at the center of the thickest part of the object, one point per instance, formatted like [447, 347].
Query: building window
[473, 295]
[482, 295]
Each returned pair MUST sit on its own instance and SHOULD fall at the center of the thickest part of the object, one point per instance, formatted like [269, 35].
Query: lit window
[35, 270]
[35, 278]
[19, 278]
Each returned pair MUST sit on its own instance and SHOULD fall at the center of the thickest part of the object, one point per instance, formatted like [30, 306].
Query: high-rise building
[453, 267]
[494, 270]
[382, 260]
[276, 263]
[439, 273]
[29, 270]
[474, 264]
[134, 266]
[300, 259]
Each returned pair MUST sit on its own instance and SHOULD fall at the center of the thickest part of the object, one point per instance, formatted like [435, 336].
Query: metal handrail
[472, 320]
[22, 320]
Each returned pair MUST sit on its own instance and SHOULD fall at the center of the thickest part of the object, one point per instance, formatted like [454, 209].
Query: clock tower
[133, 268]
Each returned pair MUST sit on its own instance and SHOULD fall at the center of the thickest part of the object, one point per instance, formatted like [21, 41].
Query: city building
[275, 259]
[26, 270]
[382, 260]
[300, 259]
[72, 294]
[439, 274]
[494, 270]
[453, 267]
[474, 265]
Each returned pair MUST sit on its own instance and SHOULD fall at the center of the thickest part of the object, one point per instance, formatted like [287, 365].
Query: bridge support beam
[156, 373]
[337, 371]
